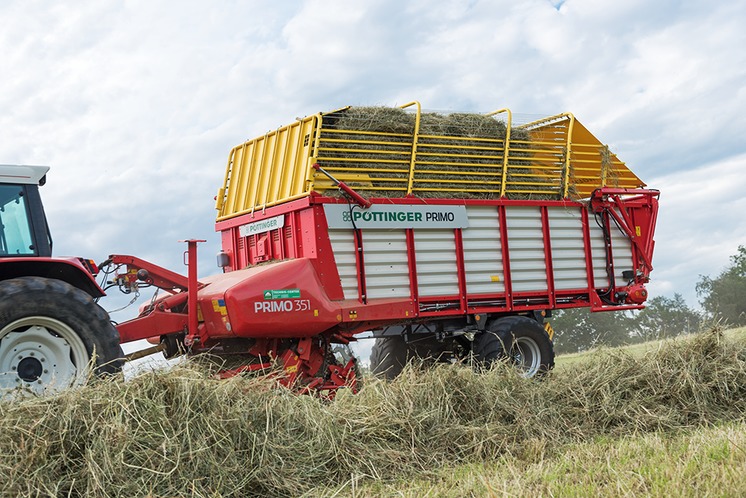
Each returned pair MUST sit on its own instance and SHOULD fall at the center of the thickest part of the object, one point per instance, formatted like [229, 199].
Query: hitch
[166, 315]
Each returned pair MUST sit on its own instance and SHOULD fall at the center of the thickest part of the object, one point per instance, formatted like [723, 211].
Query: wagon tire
[519, 340]
[53, 336]
[388, 356]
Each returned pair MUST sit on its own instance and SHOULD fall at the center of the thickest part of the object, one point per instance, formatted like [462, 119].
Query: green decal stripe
[281, 294]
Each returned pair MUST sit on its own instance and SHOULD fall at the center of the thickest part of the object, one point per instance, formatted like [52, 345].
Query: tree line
[723, 299]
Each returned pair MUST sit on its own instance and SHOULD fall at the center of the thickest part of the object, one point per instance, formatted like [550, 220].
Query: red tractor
[50, 324]
[446, 245]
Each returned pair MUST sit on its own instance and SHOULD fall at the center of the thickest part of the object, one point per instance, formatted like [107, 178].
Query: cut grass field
[667, 422]
[708, 461]
[572, 359]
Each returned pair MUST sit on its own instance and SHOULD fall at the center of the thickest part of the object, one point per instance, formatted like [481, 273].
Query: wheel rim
[526, 356]
[42, 355]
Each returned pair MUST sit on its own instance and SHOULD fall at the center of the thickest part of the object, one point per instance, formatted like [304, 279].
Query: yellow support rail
[415, 140]
[506, 147]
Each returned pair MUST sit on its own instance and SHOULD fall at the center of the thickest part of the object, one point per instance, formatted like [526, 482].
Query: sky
[135, 104]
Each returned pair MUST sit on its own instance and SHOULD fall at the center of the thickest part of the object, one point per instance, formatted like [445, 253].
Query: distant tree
[666, 317]
[724, 297]
[578, 329]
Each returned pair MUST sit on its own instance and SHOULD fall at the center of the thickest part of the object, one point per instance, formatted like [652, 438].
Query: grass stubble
[444, 431]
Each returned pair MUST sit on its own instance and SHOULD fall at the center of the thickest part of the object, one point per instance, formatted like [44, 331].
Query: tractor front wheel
[52, 336]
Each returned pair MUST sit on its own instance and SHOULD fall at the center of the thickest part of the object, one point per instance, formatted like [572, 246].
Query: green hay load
[459, 146]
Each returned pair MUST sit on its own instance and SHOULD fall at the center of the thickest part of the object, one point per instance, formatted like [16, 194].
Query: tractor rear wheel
[53, 336]
[520, 340]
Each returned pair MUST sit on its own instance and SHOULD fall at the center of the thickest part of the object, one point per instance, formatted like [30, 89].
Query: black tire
[390, 354]
[49, 332]
[518, 339]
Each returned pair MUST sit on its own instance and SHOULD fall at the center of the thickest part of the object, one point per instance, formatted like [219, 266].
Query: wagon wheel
[521, 341]
[390, 354]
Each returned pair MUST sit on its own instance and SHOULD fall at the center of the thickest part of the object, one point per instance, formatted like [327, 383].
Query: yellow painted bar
[415, 139]
[506, 147]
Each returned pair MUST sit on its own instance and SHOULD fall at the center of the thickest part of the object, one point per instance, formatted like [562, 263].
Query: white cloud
[701, 224]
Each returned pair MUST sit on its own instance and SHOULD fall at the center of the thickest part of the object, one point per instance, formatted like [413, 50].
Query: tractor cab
[23, 225]
[25, 240]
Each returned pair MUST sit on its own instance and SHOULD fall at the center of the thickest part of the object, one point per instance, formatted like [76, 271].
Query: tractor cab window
[15, 229]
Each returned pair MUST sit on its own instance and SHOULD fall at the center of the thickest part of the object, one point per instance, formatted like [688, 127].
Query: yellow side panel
[593, 166]
[268, 170]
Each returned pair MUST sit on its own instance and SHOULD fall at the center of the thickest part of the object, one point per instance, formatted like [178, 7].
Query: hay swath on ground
[182, 433]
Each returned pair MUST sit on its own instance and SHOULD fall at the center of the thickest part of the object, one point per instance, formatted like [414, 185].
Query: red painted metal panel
[461, 270]
[506, 256]
[360, 266]
[412, 261]
[284, 299]
[588, 260]
[324, 262]
[155, 324]
[305, 235]
[545, 228]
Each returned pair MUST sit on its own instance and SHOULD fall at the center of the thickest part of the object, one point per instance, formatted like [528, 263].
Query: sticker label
[282, 306]
[396, 216]
[218, 306]
[281, 294]
[262, 226]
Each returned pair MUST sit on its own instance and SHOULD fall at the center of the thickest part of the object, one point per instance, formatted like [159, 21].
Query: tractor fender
[70, 270]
